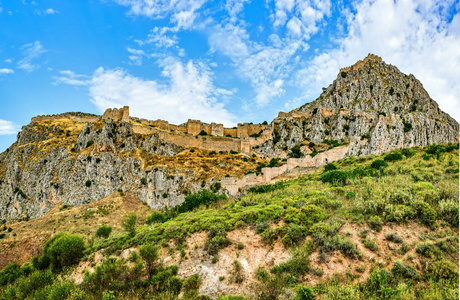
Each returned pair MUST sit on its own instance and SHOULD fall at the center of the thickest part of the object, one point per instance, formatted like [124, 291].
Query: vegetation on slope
[311, 215]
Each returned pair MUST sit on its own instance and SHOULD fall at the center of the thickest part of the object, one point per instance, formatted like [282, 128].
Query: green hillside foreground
[417, 186]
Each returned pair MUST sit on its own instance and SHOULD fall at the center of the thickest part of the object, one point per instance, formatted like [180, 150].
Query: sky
[222, 61]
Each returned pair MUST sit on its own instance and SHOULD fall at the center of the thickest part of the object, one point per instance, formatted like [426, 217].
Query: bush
[304, 293]
[330, 167]
[378, 164]
[89, 143]
[143, 180]
[88, 183]
[149, 254]
[104, 231]
[203, 197]
[425, 249]
[400, 270]
[426, 213]
[129, 223]
[202, 132]
[192, 283]
[336, 177]
[343, 74]
[443, 270]
[395, 156]
[157, 217]
[296, 152]
[62, 250]
[375, 223]
[10, 273]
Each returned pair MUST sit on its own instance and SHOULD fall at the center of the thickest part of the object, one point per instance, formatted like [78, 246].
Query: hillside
[362, 228]
[77, 158]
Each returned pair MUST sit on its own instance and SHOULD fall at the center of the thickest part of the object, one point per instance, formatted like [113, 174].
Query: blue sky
[224, 61]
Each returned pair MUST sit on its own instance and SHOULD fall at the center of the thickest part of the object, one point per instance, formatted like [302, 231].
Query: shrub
[202, 132]
[330, 167]
[149, 254]
[407, 126]
[157, 217]
[425, 213]
[104, 231]
[394, 156]
[400, 270]
[449, 211]
[378, 164]
[371, 245]
[88, 183]
[375, 223]
[203, 197]
[296, 152]
[425, 249]
[129, 223]
[304, 293]
[10, 273]
[393, 237]
[443, 270]
[89, 143]
[143, 180]
[233, 152]
[192, 283]
[343, 74]
[62, 250]
[391, 91]
[217, 238]
[240, 246]
[336, 177]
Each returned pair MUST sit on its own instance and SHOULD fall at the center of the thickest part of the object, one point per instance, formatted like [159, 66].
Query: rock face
[371, 105]
[75, 158]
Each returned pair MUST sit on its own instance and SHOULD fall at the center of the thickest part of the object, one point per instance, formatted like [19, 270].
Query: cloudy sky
[225, 61]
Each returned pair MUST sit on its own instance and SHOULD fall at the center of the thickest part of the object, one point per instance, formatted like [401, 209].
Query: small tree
[129, 223]
[104, 231]
[149, 254]
[202, 132]
[62, 250]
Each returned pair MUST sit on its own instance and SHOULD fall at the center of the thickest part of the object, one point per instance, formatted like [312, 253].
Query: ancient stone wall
[360, 63]
[217, 129]
[234, 185]
[65, 116]
[193, 127]
[242, 129]
[116, 114]
[230, 132]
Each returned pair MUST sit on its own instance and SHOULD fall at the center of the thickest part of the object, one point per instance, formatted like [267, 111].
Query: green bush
[296, 152]
[143, 180]
[425, 249]
[304, 293]
[10, 273]
[129, 223]
[378, 164]
[330, 167]
[394, 156]
[336, 177]
[426, 213]
[375, 223]
[104, 231]
[203, 197]
[149, 254]
[443, 270]
[88, 183]
[343, 74]
[202, 132]
[192, 283]
[157, 217]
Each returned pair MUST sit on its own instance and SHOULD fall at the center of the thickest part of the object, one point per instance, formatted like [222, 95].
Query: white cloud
[1, 9]
[188, 93]
[415, 36]
[181, 12]
[9, 60]
[31, 52]
[69, 77]
[8, 127]
[265, 66]
[51, 11]
[6, 71]
[136, 56]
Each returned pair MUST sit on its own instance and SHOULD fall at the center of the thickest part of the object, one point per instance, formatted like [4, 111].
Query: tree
[129, 223]
[149, 254]
[104, 231]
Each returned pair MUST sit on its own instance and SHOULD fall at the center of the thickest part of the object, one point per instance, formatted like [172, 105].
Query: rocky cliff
[77, 158]
[372, 106]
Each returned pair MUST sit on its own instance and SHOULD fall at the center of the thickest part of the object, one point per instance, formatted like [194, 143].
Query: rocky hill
[77, 158]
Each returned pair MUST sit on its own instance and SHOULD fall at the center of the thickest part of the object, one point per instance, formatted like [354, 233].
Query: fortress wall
[256, 128]
[142, 129]
[193, 127]
[116, 114]
[233, 185]
[217, 129]
[242, 129]
[361, 63]
[230, 131]
[65, 116]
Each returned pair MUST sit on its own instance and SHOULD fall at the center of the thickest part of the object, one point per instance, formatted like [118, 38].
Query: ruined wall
[360, 63]
[230, 131]
[116, 114]
[193, 127]
[65, 116]
[217, 129]
[234, 185]
[242, 129]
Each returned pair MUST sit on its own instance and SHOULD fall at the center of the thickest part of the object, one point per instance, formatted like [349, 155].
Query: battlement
[76, 117]
[360, 63]
[116, 114]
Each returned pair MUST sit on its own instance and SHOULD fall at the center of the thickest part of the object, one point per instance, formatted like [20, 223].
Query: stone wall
[116, 114]
[65, 116]
[235, 185]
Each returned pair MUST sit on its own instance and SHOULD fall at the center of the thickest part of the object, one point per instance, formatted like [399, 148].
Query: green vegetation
[308, 216]
[104, 231]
